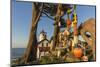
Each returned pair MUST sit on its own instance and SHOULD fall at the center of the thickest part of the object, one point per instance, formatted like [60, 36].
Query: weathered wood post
[31, 50]
[56, 27]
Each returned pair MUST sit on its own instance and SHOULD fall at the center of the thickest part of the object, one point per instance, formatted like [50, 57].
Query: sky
[22, 19]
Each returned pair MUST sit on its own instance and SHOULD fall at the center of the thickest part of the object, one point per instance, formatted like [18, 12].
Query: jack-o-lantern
[77, 52]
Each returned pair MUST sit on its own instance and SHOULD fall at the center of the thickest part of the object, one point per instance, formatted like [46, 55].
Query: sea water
[17, 52]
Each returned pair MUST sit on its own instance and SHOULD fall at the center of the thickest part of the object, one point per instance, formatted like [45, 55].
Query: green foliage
[46, 60]
[63, 52]
[74, 7]
[71, 59]
[53, 10]
[63, 23]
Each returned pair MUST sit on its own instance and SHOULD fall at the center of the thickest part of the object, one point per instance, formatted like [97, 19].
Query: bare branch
[48, 16]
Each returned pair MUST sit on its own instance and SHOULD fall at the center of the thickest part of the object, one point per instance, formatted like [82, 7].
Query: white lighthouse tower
[42, 35]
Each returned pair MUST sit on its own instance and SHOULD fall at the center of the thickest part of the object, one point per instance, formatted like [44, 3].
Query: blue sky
[22, 17]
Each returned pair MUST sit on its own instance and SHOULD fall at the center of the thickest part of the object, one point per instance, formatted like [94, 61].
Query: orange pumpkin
[77, 52]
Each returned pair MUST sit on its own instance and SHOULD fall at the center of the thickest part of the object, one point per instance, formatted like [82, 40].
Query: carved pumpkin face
[77, 52]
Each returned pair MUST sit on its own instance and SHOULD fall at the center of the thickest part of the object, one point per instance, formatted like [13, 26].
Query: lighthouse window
[42, 44]
[46, 44]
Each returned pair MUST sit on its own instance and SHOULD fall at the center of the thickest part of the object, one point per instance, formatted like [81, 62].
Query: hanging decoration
[74, 22]
[68, 21]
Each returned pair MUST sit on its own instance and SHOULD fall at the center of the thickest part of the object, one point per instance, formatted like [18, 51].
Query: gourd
[77, 52]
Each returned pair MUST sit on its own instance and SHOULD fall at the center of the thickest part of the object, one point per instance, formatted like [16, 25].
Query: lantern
[77, 52]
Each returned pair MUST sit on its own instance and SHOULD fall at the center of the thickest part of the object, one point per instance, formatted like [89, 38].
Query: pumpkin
[77, 52]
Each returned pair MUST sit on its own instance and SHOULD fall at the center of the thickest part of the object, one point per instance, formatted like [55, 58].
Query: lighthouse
[42, 35]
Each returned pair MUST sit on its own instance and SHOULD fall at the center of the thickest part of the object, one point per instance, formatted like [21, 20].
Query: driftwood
[89, 26]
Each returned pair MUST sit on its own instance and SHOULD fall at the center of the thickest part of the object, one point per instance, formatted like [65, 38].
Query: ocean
[17, 52]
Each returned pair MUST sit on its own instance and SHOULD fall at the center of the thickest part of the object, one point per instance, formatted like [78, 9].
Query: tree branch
[48, 16]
